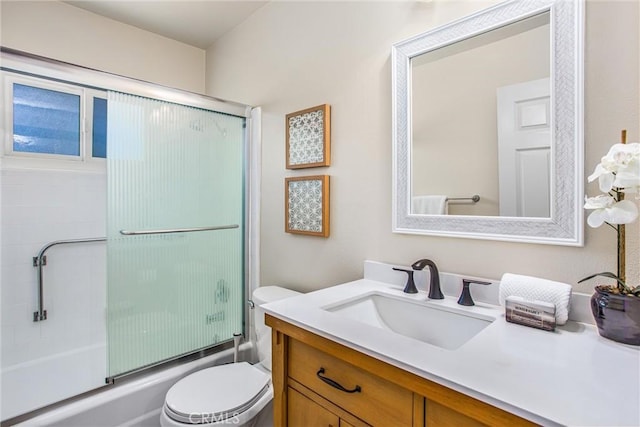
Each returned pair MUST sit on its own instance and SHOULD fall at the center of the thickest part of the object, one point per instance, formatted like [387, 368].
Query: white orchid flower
[619, 168]
[628, 181]
[605, 178]
[628, 177]
[607, 209]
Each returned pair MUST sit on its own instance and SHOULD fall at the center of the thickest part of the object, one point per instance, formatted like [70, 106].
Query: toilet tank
[263, 295]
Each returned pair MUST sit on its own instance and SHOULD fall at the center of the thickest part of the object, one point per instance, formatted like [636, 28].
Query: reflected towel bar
[176, 230]
[473, 199]
[40, 260]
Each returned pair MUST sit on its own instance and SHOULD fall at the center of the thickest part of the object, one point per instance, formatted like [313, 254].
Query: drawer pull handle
[335, 384]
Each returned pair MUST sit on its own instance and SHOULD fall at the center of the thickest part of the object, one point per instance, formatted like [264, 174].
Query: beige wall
[67, 33]
[293, 55]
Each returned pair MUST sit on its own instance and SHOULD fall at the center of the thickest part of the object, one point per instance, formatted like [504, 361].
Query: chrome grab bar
[40, 260]
[176, 230]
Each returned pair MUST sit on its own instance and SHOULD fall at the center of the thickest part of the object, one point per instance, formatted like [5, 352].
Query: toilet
[237, 394]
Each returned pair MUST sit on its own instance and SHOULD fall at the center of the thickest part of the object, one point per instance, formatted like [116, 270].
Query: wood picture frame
[306, 207]
[308, 137]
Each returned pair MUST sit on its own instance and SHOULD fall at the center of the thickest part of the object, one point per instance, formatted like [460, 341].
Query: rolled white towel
[537, 289]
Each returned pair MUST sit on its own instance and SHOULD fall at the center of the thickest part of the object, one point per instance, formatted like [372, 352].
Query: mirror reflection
[481, 124]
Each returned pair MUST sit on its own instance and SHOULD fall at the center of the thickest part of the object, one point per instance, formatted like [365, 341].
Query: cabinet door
[441, 416]
[303, 412]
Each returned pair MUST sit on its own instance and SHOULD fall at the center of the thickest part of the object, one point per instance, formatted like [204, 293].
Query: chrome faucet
[434, 276]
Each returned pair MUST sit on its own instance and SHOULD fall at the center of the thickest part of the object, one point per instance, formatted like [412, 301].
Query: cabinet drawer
[378, 402]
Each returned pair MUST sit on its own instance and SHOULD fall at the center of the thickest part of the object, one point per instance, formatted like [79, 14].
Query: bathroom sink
[426, 321]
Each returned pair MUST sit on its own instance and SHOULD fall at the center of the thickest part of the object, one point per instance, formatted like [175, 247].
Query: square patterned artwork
[308, 137]
[307, 205]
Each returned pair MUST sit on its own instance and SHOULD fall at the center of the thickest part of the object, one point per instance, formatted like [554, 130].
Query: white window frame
[90, 94]
[83, 161]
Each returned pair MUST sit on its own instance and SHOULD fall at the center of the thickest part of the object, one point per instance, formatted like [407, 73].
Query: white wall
[292, 55]
[67, 33]
[38, 207]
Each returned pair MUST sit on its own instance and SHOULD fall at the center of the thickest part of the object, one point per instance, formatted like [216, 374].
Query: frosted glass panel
[172, 167]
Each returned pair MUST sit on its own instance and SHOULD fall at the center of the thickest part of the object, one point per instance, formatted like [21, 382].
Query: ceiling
[195, 22]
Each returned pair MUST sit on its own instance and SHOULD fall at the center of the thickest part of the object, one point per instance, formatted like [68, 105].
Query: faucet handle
[410, 287]
[465, 296]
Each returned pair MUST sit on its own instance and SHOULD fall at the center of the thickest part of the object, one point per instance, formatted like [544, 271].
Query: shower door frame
[29, 64]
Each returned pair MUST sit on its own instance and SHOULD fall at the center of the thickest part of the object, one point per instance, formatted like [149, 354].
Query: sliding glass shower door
[175, 230]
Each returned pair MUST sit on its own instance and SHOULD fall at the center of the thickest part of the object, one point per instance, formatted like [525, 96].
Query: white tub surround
[568, 377]
[131, 402]
[65, 355]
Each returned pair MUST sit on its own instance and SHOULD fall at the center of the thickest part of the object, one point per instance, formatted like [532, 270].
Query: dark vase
[617, 316]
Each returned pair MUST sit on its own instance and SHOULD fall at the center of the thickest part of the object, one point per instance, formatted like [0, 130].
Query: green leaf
[608, 274]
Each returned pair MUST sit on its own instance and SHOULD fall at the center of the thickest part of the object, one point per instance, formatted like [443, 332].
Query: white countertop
[568, 377]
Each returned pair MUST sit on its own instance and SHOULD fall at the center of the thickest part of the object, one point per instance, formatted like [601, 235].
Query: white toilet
[237, 394]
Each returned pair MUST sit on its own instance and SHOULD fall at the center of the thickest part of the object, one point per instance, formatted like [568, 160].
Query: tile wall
[65, 354]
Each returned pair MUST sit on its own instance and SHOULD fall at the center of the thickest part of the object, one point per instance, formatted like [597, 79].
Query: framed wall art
[309, 137]
[306, 208]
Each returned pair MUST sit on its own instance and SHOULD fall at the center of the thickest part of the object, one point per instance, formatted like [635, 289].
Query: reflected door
[524, 149]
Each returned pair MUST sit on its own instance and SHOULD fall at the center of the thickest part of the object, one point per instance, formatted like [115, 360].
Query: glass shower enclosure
[120, 258]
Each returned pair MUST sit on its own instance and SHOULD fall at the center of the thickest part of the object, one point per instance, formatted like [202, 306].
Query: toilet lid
[216, 393]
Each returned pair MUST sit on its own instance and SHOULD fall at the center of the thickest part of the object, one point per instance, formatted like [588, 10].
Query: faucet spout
[434, 277]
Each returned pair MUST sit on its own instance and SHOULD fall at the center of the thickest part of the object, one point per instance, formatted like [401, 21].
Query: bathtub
[46, 380]
[133, 402]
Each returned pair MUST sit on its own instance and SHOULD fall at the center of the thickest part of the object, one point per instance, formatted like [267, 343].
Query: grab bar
[473, 199]
[40, 260]
[176, 230]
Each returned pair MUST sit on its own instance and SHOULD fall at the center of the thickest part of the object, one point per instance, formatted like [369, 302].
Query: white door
[524, 149]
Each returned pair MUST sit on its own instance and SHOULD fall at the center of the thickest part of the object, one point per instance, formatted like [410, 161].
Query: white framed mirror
[488, 126]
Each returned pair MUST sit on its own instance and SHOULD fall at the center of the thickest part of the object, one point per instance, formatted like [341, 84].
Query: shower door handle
[176, 230]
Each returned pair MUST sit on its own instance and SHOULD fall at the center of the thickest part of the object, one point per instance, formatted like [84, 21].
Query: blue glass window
[45, 121]
[99, 128]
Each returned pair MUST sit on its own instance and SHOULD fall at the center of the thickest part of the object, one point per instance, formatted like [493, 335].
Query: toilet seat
[217, 394]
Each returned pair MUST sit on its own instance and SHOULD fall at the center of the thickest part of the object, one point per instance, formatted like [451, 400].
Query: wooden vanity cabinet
[359, 390]
[316, 412]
